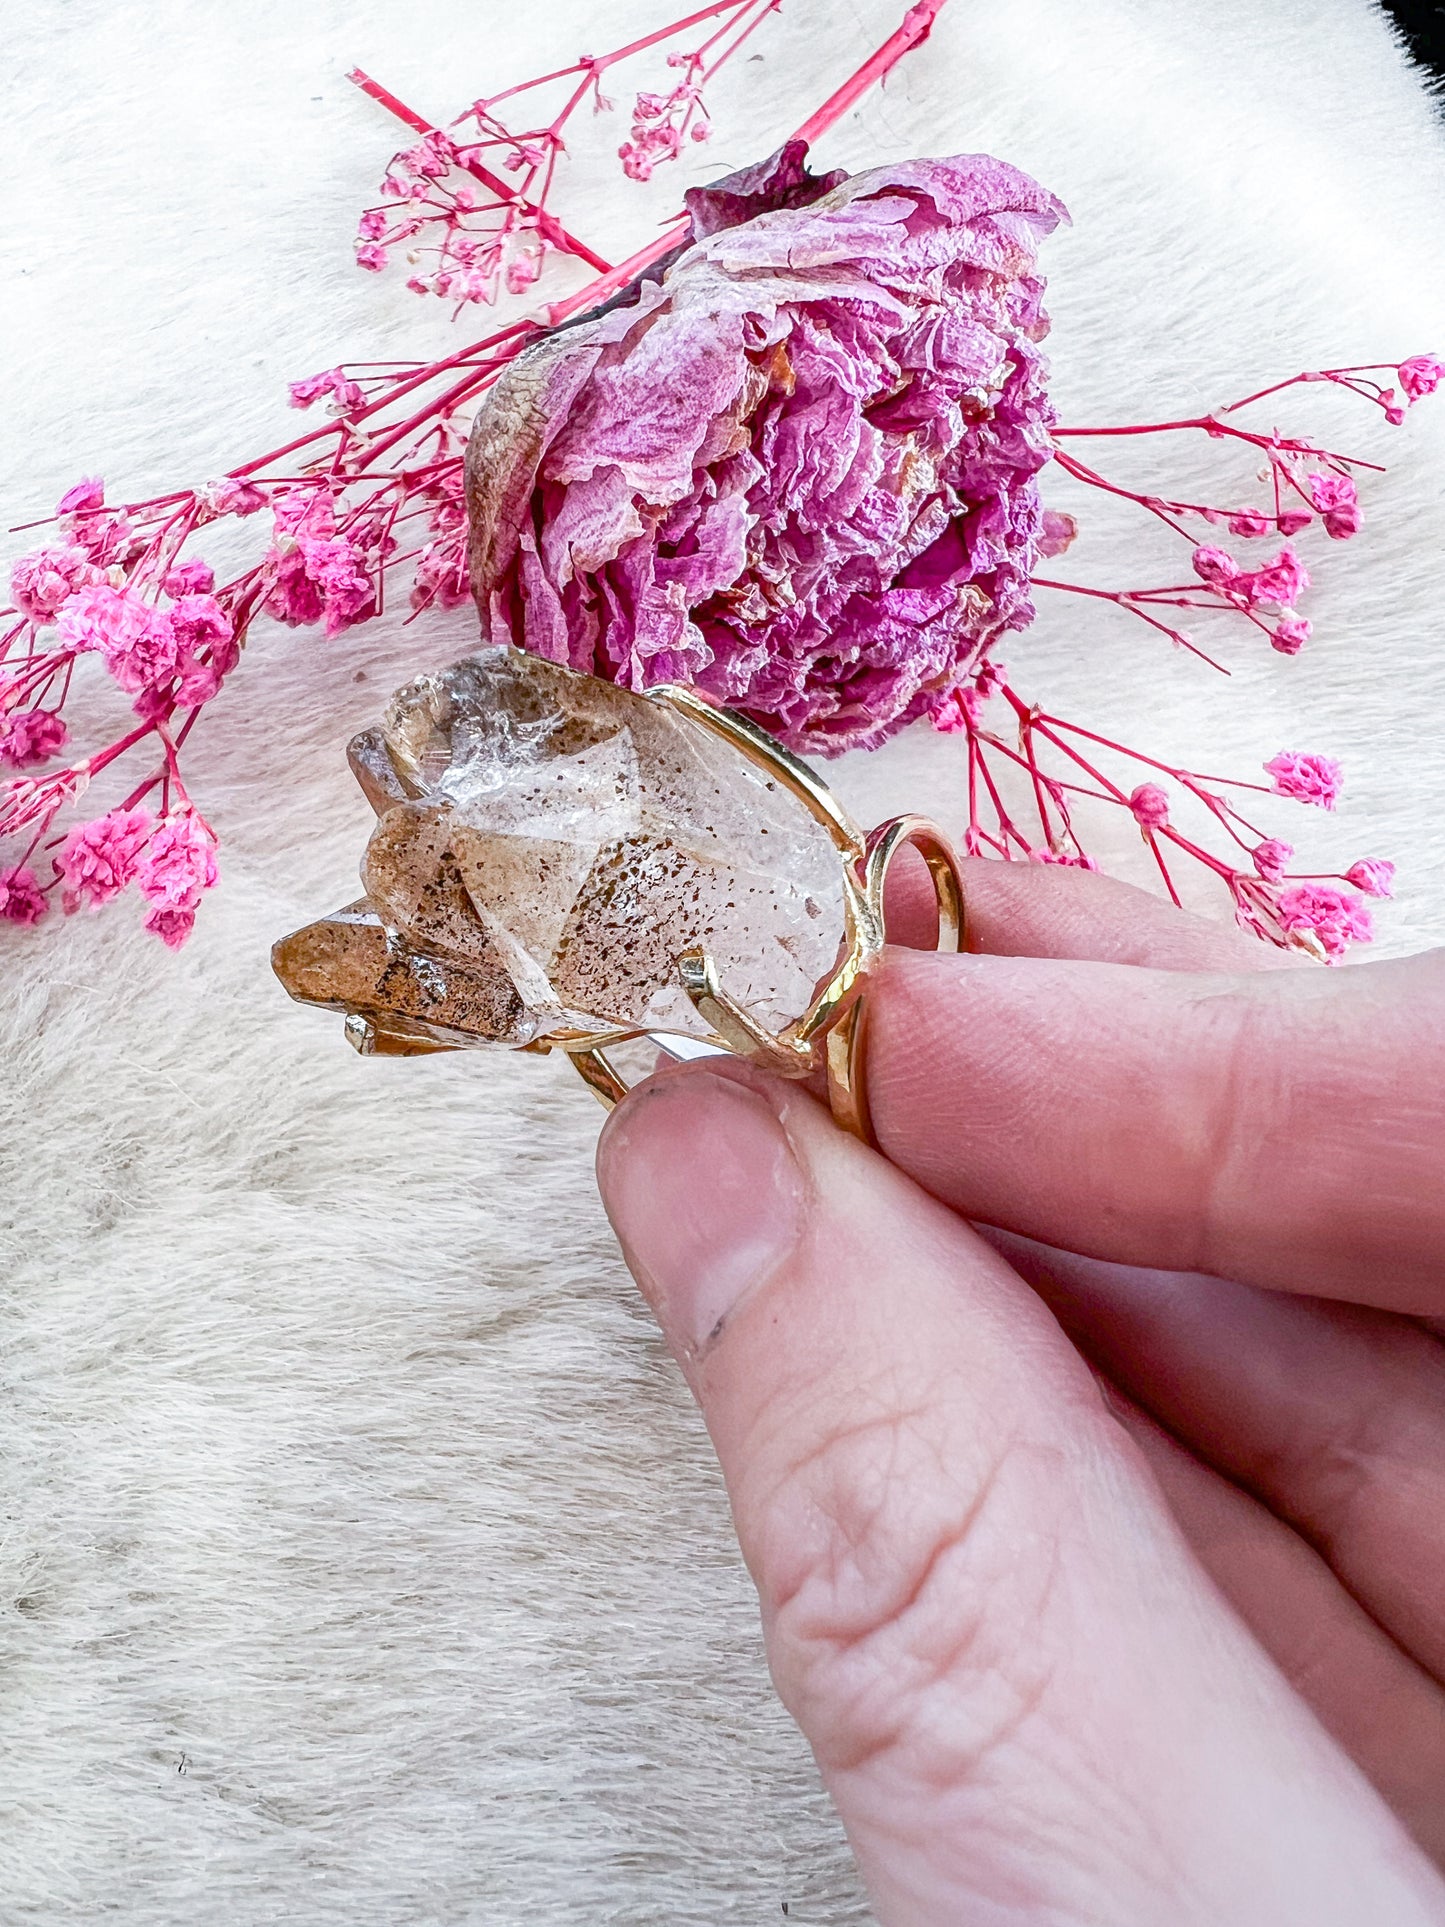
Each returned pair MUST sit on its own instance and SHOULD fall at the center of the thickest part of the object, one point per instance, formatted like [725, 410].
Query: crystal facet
[548, 847]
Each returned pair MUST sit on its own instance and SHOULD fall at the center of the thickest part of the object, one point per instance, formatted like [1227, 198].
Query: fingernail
[705, 1194]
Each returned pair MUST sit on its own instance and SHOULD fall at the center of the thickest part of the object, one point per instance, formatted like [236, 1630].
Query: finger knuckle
[898, 1578]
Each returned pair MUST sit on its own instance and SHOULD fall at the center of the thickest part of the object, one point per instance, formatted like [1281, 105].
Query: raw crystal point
[549, 845]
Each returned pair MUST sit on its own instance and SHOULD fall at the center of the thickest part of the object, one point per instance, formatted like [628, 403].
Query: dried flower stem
[124, 582]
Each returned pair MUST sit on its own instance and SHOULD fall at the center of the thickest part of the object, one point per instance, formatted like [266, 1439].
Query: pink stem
[560, 237]
[602, 62]
[916, 26]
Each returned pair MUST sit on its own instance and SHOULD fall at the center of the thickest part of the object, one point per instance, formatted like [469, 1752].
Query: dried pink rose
[98, 859]
[801, 471]
[1306, 779]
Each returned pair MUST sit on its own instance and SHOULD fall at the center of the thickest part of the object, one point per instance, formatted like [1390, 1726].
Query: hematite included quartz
[549, 845]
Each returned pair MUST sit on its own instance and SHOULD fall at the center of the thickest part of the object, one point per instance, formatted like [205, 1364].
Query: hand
[1117, 1596]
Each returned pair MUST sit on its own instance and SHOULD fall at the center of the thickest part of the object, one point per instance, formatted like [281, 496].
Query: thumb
[1025, 1699]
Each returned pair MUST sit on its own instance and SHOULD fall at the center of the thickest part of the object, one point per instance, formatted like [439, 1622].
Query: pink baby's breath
[1374, 875]
[1306, 779]
[136, 641]
[1421, 375]
[1333, 917]
[173, 927]
[21, 898]
[1214, 565]
[43, 581]
[347, 396]
[29, 737]
[233, 495]
[1290, 634]
[1272, 858]
[177, 864]
[1279, 583]
[1338, 502]
[1249, 522]
[98, 859]
[315, 573]
[960, 710]
[1150, 806]
[88, 493]
[189, 578]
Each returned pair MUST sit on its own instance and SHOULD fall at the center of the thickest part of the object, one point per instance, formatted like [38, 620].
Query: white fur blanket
[364, 1561]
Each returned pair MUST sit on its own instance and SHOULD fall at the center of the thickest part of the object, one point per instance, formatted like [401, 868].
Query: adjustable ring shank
[846, 1054]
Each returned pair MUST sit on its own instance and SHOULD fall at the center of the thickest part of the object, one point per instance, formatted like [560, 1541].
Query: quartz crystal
[548, 846]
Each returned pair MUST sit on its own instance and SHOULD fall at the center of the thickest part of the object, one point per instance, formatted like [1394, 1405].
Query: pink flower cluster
[171, 863]
[1337, 502]
[46, 578]
[176, 655]
[232, 495]
[1420, 376]
[481, 243]
[1306, 779]
[1310, 913]
[1276, 585]
[442, 575]
[661, 121]
[315, 571]
[812, 494]
[347, 396]
[1334, 918]
[22, 900]
[29, 737]
[1272, 858]
[1149, 805]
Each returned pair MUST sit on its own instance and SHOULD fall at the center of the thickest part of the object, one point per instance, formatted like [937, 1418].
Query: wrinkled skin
[800, 472]
[1101, 1553]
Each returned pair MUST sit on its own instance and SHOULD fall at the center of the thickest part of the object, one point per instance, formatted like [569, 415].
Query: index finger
[1282, 1127]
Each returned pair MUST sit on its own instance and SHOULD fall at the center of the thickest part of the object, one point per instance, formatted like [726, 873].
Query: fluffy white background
[364, 1561]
